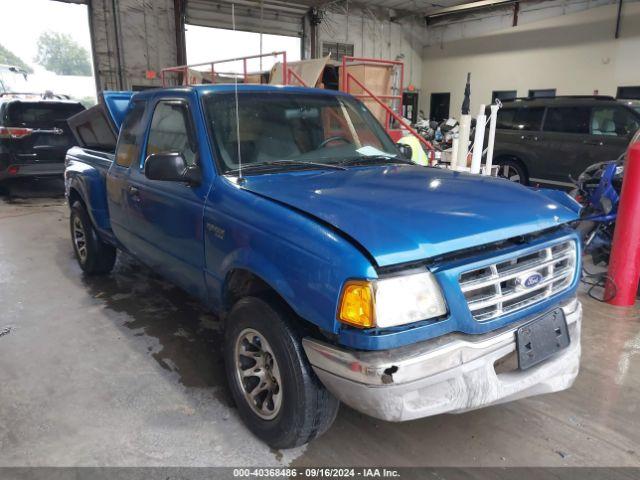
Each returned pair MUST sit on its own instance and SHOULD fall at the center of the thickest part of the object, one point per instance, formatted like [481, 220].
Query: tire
[94, 256]
[294, 407]
[513, 170]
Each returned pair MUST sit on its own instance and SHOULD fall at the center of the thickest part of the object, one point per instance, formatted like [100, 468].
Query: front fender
[304, 261]
[256, 263]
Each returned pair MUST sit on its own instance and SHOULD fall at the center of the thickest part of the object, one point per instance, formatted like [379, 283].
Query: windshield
[294, 129]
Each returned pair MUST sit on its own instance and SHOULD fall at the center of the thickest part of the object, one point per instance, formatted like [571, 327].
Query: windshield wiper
[365, 159]
[278, 163]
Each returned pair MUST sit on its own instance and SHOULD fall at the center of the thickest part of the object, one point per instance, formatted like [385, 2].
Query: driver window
[170, 131]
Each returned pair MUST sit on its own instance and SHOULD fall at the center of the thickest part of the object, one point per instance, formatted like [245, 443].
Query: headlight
[391, 301]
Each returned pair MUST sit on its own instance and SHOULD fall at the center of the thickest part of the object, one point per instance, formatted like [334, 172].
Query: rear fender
[87, 183]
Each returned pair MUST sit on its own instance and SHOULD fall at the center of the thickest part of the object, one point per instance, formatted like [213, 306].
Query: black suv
[548, 139]
[34, 135]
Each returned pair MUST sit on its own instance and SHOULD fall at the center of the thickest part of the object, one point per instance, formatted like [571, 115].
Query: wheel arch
[242, 282]
[74, 196]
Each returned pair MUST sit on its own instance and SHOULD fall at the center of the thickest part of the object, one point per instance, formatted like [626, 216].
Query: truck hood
[405, 213]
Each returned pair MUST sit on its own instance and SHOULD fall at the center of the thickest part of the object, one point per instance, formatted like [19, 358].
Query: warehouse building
[389, 234]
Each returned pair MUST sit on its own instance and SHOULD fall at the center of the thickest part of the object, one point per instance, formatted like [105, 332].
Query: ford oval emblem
[530, 280]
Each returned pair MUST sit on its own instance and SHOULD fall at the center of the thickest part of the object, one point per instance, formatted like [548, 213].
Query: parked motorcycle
[598, 190]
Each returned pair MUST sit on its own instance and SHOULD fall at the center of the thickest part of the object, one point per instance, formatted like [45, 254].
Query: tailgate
[49, 137]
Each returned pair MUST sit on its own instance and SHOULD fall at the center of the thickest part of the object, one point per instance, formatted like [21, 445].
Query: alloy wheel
[258, 374]
[79, 239]
[510, 173]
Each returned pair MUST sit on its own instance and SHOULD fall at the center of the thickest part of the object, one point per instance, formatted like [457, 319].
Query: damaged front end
[449, 374]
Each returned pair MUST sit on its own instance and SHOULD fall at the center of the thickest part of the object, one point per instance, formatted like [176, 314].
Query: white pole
[493, 118]
[454, 151]
[478, 141]
[463, 143]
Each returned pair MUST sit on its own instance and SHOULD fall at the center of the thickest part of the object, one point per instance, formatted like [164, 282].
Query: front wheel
[275, 389]
[94, 256]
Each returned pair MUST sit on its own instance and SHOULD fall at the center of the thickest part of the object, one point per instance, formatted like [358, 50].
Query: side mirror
[405, 150]
[170, 167]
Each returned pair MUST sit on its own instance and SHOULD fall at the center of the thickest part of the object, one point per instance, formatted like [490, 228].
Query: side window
[171, 131]
[568, 120]
[528, 118]
[128, 148]
[505, 118]
[614, 122]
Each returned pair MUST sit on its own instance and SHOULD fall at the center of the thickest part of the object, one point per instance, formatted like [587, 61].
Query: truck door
[127, 154]
[165, 218]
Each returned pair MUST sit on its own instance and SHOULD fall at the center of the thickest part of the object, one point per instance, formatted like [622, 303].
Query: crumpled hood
[405, 213]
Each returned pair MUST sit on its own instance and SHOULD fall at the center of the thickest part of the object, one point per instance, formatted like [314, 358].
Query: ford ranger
[342, 271]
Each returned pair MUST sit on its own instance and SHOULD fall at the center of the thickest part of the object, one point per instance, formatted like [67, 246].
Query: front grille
[499, 288]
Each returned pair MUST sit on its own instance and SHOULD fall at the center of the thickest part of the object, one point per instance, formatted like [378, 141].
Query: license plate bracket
[539, 339]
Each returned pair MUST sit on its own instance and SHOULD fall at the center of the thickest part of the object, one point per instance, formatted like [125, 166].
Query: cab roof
[230, 87]
[117, 102]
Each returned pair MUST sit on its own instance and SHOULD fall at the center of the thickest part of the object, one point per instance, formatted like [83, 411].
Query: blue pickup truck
[342, 271]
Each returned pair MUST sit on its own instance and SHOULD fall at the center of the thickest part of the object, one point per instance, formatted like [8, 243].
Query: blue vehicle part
[117, 104]
[298, 257]
[459, 318]
[562, 198]
[605, 190]
[85, 178]
[305, 232]
[419, 212]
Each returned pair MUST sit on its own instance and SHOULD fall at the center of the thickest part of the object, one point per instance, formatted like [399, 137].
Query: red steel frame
[345, 85]
[288, 75]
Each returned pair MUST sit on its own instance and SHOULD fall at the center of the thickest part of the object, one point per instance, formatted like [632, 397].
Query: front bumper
[453, 373]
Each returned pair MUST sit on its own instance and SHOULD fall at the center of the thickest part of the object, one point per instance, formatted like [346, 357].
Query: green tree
[59, 53]
[7, 57]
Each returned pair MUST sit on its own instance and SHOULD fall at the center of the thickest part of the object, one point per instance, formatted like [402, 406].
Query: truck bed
[98, 159]
[86, 170]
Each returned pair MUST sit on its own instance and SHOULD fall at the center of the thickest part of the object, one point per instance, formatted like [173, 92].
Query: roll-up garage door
[268, 16]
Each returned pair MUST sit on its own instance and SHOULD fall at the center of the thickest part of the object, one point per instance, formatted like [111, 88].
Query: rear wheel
[94, 256]
[277, 393]
[513, 170]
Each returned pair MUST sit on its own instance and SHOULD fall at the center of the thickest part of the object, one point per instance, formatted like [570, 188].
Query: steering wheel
[324, 143]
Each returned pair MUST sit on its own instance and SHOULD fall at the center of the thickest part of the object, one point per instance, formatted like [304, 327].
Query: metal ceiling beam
[468, 7]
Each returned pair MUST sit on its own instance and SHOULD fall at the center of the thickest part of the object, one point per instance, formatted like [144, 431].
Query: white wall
[375, 36]
[574, 53]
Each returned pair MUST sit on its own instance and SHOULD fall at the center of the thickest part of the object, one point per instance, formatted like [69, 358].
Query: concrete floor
[125, 370]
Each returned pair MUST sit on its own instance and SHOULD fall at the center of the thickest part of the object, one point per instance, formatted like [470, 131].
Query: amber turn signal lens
[356, 305]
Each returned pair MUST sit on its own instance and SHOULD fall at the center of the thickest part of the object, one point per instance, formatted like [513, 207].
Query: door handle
[134, 193]
[527, 137]
[597, 143]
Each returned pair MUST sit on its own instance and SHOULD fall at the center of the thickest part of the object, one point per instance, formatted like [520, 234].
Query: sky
[29, 18]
